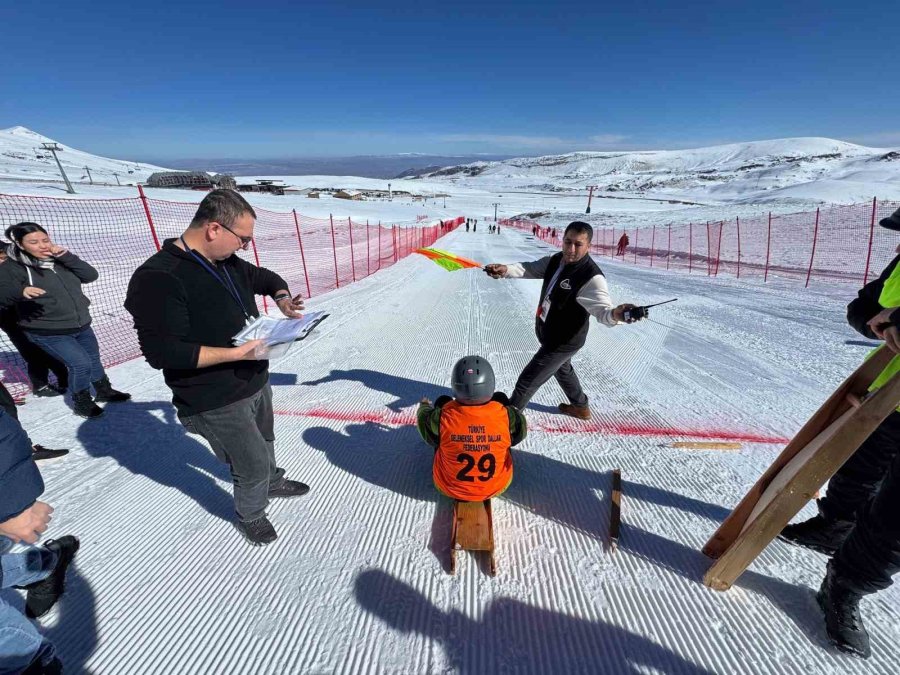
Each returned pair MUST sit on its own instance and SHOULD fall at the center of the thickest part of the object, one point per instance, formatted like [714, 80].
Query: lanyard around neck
[227, 281]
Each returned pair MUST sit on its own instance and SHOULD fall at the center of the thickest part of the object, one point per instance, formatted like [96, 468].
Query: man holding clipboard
[188, 301]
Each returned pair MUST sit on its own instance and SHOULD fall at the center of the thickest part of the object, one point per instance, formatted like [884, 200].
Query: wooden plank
[473, 527]
[615, 513]
[815, 464]
[856, 384]
[707, 445]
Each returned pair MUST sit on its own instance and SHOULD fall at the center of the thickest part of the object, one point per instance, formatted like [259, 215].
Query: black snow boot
[106, 394]
[84, 405]
[42, 595]
[39, 452]
[258, 532]
[289, 488]
[843, 621]
[47, 390]
[818, 533]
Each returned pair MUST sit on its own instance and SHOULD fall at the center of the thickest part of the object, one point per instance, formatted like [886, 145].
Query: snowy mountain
[760, 171]
[22, 157]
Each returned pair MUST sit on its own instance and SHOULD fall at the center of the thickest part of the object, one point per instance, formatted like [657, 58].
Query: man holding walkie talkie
[574, 289]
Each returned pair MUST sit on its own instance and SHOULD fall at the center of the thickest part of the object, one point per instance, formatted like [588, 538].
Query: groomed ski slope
[357, 581]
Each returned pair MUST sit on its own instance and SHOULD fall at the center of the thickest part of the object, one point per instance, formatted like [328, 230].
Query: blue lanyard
[227, 282]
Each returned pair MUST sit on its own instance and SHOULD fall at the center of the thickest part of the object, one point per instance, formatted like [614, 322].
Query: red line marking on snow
[565, 427]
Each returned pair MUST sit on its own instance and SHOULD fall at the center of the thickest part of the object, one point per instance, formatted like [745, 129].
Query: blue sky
[163, 80]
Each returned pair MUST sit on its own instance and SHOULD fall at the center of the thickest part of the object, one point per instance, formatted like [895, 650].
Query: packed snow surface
[357, 580]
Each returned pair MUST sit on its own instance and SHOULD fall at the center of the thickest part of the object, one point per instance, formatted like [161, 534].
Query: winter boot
[84, 405]
[39, 452]
[818, 533]
[42, 595]
[258, 532]
[106, 394]
[47, 390]
[843, 621]
[289, 488]
[581, 412]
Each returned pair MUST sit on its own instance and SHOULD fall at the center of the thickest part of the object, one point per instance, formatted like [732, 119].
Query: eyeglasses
[245, 241]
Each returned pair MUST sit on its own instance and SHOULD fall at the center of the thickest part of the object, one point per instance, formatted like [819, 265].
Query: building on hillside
[355, 195]
[194, 180]
[275, 187]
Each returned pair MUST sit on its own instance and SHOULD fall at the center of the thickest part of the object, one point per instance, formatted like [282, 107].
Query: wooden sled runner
[815, 454]
[473, 530]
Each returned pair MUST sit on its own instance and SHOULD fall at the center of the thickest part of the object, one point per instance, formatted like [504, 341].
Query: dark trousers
[545, 364]
[242, 434]
[867, 490]
[38, 362]
[79, 351]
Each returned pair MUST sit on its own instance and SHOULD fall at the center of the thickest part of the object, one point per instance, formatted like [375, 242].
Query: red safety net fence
[314, 255]
[841, 243]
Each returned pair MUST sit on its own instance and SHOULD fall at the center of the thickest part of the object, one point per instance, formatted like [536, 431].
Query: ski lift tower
[54, 148]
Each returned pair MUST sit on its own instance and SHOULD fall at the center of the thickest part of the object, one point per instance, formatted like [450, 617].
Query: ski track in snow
[357, 581]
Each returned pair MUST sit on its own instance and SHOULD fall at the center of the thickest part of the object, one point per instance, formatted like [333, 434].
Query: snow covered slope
[793, 168]
[357, 581]
[22, 157]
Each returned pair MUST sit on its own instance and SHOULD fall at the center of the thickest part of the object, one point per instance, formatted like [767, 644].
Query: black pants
[545, 364]
[867, 490]
[38, 362]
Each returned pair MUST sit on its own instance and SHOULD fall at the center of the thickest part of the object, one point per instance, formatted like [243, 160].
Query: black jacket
[866, 304]
[566, 324]
[179, 306]
[63, 308]
[20, 480]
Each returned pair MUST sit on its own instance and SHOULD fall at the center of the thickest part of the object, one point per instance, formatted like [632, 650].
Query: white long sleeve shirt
[593, 296]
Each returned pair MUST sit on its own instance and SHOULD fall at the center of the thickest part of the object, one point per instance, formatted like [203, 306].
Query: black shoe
[47, 390]
[817, 533]
[843, 621]
[84, 405]
[39, 452]
[106, 394]
[290, 488]
[258, 532]
[42, 595]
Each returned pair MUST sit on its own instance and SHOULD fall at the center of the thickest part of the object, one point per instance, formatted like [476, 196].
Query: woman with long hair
[43, 281]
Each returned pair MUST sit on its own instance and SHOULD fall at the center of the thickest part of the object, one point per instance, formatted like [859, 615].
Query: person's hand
[879, 322]
[56, 250]
[252, 350]
[619, 312]
[291, 307]
[495, 270]
[28, 525]
[32, 292]
[891, 336]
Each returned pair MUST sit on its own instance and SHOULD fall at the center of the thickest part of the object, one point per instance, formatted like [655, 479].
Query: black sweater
[179, 306]
[63, 308]
[866, 305]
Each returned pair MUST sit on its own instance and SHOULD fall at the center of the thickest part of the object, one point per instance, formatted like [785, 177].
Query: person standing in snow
[188, 301]
[41, 571]
[43, 281]
[623, 244]
[574, 288]
[858, 523]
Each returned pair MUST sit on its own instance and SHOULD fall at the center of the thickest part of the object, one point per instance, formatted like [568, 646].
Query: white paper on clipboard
[279, 334]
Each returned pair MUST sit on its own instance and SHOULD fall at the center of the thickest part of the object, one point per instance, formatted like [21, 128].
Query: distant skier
[623, 244]
[467, 224]
[574, 289]
[472, 434]
[859, 517]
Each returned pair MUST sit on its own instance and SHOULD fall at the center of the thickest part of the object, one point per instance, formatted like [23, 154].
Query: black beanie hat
[892, 222]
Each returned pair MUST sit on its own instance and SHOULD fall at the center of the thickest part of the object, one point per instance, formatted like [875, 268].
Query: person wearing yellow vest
[472, 434]
[859, 517]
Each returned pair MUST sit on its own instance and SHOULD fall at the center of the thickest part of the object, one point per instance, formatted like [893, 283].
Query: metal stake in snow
[53, 148]
[615, 513]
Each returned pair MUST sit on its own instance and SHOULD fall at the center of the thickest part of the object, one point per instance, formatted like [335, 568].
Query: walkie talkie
[638, 313]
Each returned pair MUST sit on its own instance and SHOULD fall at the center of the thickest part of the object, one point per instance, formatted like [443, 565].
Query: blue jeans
[20, 642]
[79, 351]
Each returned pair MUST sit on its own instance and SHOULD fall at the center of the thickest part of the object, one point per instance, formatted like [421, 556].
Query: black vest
[566, 324]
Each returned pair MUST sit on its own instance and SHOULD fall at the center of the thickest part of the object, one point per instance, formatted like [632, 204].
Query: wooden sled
[814, 455]
[473, 530]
